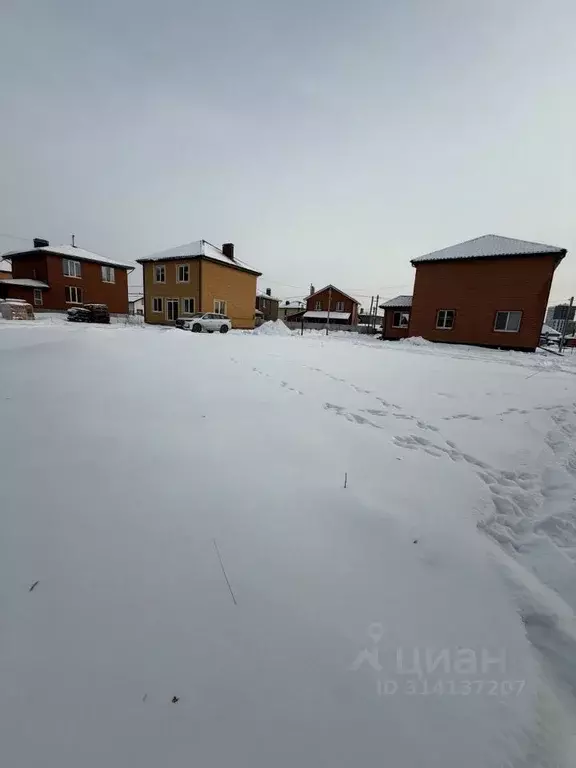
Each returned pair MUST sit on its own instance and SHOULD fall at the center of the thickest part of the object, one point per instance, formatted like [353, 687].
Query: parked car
[89, 313]
[206, 321]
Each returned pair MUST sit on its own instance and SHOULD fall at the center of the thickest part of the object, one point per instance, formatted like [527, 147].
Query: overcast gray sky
[330, 140]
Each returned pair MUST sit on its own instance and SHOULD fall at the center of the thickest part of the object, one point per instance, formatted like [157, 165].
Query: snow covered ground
[329, 550]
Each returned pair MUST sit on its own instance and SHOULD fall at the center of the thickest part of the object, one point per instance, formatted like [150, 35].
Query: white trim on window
[400, 319]
[38, 298]
[169, 303]
[318, 306]
[159, 273]
[509, 317]
[339, 306]
[73, 294]
[220, 307]
[71, 268]
[445, 319]
[108, 275]
[182, 273]
[187, 306]
[157, 304]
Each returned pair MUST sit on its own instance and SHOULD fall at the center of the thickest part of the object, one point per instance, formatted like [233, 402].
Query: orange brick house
[198, 277]
[490, 291]
[59, 277]
[330, 304]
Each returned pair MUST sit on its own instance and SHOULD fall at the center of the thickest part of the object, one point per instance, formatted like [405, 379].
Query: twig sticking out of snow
[144, 697]
[224, 570]
[34, 585]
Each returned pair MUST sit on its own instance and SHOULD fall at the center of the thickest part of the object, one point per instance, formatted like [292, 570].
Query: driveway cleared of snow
[208, 591]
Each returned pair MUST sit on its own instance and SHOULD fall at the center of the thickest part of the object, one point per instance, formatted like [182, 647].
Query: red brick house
[60, 277]
[396, 317]
[330, 305]
[491, 291]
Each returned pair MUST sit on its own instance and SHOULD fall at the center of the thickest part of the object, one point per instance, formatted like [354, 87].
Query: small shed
[396, 317]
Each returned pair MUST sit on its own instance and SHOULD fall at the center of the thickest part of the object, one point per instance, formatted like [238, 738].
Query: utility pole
[329, 303]
[376, 311]
[565, 326]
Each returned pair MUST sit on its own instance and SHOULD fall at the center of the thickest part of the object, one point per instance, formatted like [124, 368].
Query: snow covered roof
[71, 252]
[137, 297]
[327, 287]
[294, 304]
[195, 250]
[548, 330]
[489, 246]
[324, 315]
[402, 302]
[25, 282]
[5, 266]
[264, 295]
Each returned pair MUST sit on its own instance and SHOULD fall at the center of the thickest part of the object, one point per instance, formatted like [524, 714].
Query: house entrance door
[171, 310]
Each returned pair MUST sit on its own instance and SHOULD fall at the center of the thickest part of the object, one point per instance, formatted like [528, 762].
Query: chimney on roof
[40, 242]
[268, 291]
[228, 250]
[312, 289]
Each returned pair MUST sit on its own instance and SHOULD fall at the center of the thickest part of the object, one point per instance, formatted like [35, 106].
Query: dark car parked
[89, 313]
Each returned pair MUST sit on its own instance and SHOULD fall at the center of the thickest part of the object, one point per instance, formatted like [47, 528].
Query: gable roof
[25, 282]
[400, 302]
[198, 249]
[327, 287]
[490, 246]
[70, 252]
[5, 266]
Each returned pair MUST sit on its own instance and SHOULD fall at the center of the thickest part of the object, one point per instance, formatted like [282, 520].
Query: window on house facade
[508, 322]
[339, 306]
[188, 306]
[73, 294]
[182, 273]
[38, 300]
[157, 304]
[400, 320]
[445, 319]
[318, 306]
[108, 275]
[159, 273]
[219, 307]
[71, 268]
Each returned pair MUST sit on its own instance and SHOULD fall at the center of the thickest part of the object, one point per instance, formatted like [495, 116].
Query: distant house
[396, 317]
[559, 316]
[267, 305]
[490, 291]
[288, 309]
[198, 277]
[5, 269]
[60, 277]
[331, 305]
[136, 305]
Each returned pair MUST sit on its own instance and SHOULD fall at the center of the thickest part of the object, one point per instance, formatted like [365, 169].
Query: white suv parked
[207, 321]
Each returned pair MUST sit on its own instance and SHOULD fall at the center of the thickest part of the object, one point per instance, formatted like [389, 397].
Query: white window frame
[403, 316]
[154, 305]
[156, 268]
[442, 326]
[178, 268]
[339, 306]
[71, 268]
[220, 304]
[318, 306]
[508, 312]
[107, 273]
[191, 302]
[38, 298]
[74, 290]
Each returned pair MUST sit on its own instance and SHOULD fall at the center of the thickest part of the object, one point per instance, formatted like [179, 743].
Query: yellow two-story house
[198, 277]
